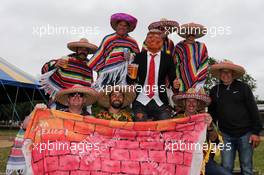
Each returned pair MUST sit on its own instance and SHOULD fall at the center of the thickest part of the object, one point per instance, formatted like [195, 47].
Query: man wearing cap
[70, 70]
[115, 51]
[153, 68]
[194, 102]
[114, 99]
[234, 108]
[191, 57]
[167, 27]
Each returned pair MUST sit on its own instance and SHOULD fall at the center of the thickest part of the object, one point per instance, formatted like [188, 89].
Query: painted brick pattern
[113, 148]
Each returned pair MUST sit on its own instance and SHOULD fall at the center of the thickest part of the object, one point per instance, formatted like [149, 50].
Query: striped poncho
[191, 64]
[54, 79]
[16, 161]
[168, 46]
[109, 60]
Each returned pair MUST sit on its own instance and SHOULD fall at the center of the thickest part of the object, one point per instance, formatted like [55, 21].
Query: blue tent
[17, 86]
[13, 76]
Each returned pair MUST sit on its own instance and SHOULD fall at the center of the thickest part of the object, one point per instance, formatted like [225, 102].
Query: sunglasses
[75, 94]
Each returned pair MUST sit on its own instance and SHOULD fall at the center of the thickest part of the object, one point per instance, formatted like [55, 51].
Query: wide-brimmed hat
[192, 93]
[195, 29]
[90, 95]
[104, 95]
[155, 31]
[117, 17]
[165, 24]
[82, 43]
[238, 71]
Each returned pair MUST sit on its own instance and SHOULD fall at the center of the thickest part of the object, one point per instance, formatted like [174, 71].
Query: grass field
[258, 154]
[258, 159]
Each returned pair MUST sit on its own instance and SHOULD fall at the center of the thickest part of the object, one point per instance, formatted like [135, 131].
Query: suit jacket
[166, 68]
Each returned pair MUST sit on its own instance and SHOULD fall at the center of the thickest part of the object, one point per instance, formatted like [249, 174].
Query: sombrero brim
[197, 30]
[115, 18]
[178, 100]
[162, 24]
[74, 45]
[238, 71]
[90, 95]
[104, 96]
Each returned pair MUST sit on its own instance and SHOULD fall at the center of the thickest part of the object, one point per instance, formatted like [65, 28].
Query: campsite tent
[17, 86]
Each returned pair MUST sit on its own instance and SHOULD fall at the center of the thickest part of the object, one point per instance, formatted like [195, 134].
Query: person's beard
[82, 56]
[116, 104]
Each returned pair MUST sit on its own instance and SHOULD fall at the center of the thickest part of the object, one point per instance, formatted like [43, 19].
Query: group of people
[164, 72]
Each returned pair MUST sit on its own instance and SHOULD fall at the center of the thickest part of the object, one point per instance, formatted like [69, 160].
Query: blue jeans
[212, 168]
[245, 152]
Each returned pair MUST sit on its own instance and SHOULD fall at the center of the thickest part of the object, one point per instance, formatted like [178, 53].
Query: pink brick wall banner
[64, 143]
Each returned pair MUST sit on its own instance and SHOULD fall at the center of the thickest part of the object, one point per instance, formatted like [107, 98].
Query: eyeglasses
[75, 94]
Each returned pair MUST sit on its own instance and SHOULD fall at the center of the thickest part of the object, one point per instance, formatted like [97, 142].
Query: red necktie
[151, 75]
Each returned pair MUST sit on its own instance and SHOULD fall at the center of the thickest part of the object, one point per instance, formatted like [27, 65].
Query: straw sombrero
[197, 30]
[90, 94]
[117, 17]
[238, 71]
[163, 24]
[104, 95]
[204, 99]
[82, 43]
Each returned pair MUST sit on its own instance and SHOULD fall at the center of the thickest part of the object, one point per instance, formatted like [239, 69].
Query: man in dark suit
[153, 67]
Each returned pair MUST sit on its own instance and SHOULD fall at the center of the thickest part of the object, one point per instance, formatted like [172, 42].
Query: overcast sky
[33, 32]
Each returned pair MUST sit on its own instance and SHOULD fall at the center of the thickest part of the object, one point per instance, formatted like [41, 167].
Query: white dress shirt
[143, 97]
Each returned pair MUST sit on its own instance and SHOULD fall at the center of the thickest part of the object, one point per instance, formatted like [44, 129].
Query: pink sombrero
[117, 17]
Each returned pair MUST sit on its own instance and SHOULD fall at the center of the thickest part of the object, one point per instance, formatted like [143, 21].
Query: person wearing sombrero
[114, 99]
[234, 108]
[115, 52]
[191, 57]
[192, 102]
[167, 27]
[76, 99]
[154, 66]
[58, 74]
[200, 99]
